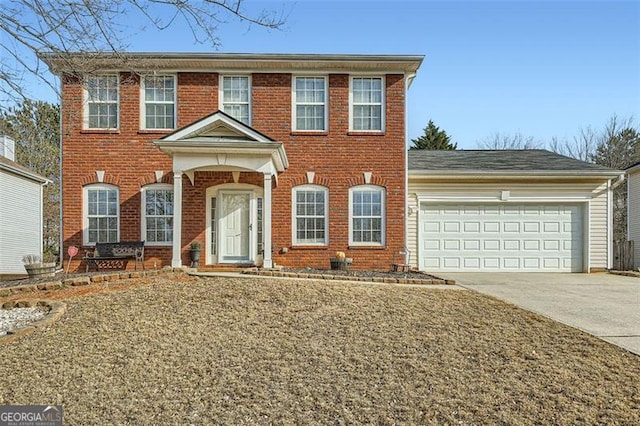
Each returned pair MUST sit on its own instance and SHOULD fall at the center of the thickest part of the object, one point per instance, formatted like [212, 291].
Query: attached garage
[502, 237]
[508, 211]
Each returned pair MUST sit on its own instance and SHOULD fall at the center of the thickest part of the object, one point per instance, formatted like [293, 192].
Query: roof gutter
[519, 174]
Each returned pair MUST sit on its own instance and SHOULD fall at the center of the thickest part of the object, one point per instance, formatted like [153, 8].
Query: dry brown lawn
[247, 351]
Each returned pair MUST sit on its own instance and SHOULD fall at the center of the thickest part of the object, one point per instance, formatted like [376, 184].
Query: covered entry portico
[234, 209]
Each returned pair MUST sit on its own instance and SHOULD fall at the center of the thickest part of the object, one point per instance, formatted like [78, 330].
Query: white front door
[235, 229]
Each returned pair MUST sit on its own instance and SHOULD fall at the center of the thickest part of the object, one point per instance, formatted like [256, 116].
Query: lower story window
[158, 214]
[310, 215]
[102, 214]
[366, 215]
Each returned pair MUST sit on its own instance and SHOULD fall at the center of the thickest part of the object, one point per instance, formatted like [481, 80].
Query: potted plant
[341, 262]
[194, 252]
[37, 267]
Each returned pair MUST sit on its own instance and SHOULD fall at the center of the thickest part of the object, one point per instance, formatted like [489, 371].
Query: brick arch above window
[317, 180]
[92, 178]
[359, 180]
[150, 178]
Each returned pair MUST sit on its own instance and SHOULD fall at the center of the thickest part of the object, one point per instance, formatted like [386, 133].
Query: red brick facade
[338, 158]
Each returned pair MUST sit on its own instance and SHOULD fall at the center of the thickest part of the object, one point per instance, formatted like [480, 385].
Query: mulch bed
[186, 350]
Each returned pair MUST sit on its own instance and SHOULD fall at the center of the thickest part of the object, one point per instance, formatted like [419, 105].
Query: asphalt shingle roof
[496, 161]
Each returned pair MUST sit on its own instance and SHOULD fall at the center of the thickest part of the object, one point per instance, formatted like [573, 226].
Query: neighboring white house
[508, 210]
[20, 211]
[633, 211]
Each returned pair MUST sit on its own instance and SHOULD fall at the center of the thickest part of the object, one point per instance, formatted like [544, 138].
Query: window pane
[159, 215]
[310, 216]
[102, 102]
[310, 103]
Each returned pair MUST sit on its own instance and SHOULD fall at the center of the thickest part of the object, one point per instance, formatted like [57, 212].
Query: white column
[267, 260]
[176, 260]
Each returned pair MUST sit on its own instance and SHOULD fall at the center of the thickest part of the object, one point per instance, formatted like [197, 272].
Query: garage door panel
[492, 227]
[508, 237]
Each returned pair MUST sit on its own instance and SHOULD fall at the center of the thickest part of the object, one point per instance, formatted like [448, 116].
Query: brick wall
[338, 159]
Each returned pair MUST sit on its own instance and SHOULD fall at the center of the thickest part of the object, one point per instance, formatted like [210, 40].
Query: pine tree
[434, 138]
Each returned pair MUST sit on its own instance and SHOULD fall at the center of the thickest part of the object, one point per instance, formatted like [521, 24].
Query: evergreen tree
[434, 138]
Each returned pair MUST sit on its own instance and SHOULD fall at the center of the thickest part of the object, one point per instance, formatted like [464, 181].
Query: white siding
[599, 222]
[560, 192]
[20, 221]
[633, 215]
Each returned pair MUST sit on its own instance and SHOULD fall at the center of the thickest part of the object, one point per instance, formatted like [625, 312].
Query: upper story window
[235, 96]
[366, 215]
[310, 105]
[101, 102]
[367, 104]
[159, 102]
[102, 214]
[157, 217]
[310, 215]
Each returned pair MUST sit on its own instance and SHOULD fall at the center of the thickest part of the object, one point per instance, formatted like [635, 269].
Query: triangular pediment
[217, 127]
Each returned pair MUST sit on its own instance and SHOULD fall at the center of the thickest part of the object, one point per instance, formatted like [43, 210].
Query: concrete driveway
[605, 305]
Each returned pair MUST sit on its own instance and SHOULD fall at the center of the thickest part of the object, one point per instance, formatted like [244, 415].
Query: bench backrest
[121, 249]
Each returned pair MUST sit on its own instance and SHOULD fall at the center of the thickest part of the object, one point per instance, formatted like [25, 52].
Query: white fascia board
[24, 173]
[475, 175]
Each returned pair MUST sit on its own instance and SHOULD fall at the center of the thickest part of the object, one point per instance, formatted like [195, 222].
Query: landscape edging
[56, 310]
[329, 276]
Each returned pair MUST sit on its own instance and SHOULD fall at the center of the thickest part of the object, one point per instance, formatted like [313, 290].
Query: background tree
[507, 141]
[433, 138]
[619, 147]
[31, 27]
[35, 127]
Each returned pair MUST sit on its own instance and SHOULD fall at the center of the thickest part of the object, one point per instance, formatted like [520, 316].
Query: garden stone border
[84, 280]
[329, 276]
[56, 310]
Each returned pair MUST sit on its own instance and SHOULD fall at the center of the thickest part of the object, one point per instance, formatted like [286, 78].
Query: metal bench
[115, 255]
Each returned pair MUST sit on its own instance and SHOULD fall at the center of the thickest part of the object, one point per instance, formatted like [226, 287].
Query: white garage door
[501, 237]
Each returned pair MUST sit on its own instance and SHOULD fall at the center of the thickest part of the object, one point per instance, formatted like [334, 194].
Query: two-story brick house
[263, 158]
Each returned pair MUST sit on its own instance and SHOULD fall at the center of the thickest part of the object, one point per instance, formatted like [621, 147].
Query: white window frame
[294, 216]
[294, 104]
[143, 213]
[143, 102]
[383, 209]
[383, 104]
[86, 102]
[85, 210]
[221, 101]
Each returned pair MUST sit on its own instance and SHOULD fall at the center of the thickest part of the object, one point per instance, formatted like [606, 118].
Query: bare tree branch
[32, 27]
[507, 141]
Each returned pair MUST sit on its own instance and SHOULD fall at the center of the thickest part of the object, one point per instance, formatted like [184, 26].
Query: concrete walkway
[605, 305]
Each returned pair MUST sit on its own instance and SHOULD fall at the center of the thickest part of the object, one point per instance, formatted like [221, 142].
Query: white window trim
[294, 112]
[383, 215]
[85, 209]
[143, 213]
[250, 94]
[294, 226]
[383, 100]
[85, 103]
[143, 102]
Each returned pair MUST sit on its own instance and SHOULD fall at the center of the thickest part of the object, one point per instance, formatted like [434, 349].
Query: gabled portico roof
[220, 142]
